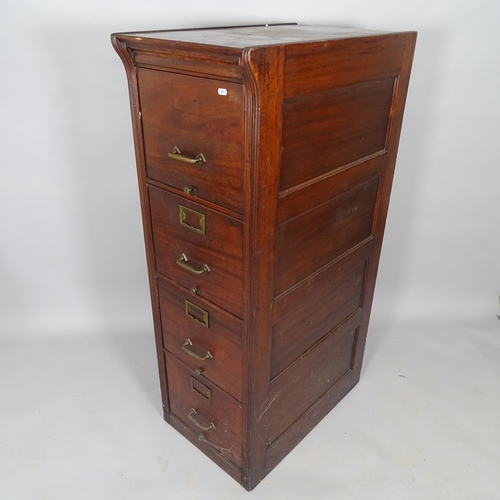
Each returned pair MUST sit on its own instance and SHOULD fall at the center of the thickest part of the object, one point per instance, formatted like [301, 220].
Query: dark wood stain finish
[187, 112]
[341, 126]
[308, 69]
[306, 381]
[223, 411]
[220, 248]
[281, 226]
[318, 313]
[311, 240]
[223, 338]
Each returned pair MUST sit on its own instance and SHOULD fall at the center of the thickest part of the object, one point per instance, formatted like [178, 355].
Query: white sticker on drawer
[222, 91]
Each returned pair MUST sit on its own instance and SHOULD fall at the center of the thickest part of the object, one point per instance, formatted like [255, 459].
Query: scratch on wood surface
[269, 405]
[220, 449]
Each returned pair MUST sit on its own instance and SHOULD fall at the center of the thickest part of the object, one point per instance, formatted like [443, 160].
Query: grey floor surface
[80, 419]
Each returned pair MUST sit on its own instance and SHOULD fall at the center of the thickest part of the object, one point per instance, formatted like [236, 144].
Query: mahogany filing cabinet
[265, 157]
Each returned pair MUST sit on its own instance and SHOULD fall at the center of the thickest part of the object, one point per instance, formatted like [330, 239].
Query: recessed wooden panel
[223, 338]
[314, 318]
[292, 299]
[308, 242]
[337, 63]
[307, 380]
[297, 201]
[218, 421]
[325, 131]
[220, 248]
[307, 421]
[199, 116]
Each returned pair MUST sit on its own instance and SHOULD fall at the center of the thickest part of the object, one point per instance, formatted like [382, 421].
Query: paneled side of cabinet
[265, 157]
[336, 165]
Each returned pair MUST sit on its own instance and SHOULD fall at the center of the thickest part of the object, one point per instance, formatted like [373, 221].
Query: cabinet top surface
[252, 36]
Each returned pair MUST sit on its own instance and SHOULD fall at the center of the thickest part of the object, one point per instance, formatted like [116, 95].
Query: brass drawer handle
[192, 412]
[183, 262]
[186, 348]
[177, 155]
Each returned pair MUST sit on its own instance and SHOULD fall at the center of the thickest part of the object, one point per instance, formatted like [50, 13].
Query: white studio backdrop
[71, 253]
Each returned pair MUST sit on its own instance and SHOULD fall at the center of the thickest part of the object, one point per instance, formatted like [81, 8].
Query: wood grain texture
[309, 195]
[125, 55]
[293, 298]
[312, 240]
[223, 69]
[327, 130]
[224, 412]
[288, 213]
[189, 112]
[211, 452]
[242, 37]
[326, 65]
[220, 248]
[316, 316]
[308, 420]
[223, 338]
[263, 72]
[308, 379]
[409, 40]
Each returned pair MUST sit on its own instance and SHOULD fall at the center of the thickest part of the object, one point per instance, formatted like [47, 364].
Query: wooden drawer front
[190, 236]
[214, 415]
[199, 116]
[185, 334]
[307, 243]
[315, 317]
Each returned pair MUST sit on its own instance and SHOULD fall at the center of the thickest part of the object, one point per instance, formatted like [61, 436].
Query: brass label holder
[201, 389]
[196, 313]
[192, 219]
